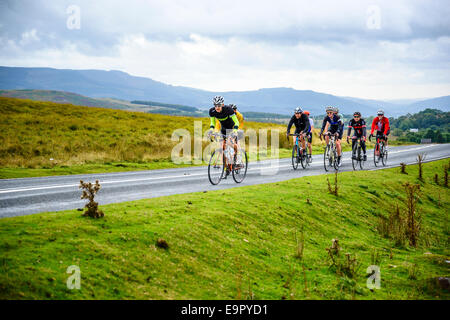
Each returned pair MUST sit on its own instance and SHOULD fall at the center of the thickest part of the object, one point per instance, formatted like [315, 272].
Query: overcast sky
[369, 49]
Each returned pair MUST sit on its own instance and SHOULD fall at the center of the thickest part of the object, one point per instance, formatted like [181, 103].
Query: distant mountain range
[120, 85]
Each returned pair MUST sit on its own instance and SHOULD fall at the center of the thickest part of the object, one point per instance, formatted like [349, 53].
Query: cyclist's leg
[338, 145]
[386, 140]
[363, 147]
[354, 142]
[379, 137]
[310, 143]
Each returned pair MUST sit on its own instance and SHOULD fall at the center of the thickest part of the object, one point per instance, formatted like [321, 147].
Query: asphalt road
[34, 195]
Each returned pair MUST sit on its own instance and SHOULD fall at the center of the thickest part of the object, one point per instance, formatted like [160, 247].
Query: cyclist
[335, 128]
[359, 126]
[310, 134]
[381, 124]
[301, 122]
[228, 121]
[238, 115]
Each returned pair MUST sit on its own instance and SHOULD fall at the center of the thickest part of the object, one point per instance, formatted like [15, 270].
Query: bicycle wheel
[355, 156]
[295, 157]
[376, 159]
[326, 158]
[216, 167]
[361, 158]
[303, 159]
[240, 166]
[384, 154]
[335, 160]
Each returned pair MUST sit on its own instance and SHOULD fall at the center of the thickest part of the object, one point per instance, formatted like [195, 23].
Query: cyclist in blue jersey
[335, 127]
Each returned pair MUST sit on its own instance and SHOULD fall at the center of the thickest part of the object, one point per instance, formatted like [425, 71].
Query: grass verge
[240, 243]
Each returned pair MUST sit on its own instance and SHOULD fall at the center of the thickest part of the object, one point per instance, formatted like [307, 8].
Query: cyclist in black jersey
[335, 127]
[358, 124]
[302, 126]
[229, 123]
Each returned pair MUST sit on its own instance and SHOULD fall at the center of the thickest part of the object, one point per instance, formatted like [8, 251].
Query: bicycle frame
[227, 143]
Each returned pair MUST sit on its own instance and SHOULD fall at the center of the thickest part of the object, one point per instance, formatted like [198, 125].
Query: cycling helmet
[380, 112]
[298, 110]
[329, 108]
[357, 113]
[218, 100]
[306, 112]
[336, 109]
[233, 106]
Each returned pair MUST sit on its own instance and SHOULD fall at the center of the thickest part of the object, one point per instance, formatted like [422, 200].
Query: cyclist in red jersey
[381, 124]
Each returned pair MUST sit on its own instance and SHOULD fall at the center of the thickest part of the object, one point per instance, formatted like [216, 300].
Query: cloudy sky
[369, 49]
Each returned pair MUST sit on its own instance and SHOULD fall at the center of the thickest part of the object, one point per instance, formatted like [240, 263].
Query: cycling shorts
[333, 131]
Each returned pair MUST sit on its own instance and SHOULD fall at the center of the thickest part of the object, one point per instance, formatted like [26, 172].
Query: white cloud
[234, 45]
[29, 37]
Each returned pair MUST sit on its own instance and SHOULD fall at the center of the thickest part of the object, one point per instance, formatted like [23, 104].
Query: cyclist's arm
[324, 123]
[236, 121]
[386, 126]
[218, 125]
[340, 126]
[374, 123]
[291, 122]
[240, 117]
[349, 131]
[307, 126]
[212, 122]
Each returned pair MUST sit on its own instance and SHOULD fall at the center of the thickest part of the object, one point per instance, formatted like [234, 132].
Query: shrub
[89, 192]
[335, 189]
[413, 216]
[403, 168]
[420, 159]
[344, 265]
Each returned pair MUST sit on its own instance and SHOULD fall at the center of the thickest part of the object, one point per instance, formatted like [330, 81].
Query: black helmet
[357, 113]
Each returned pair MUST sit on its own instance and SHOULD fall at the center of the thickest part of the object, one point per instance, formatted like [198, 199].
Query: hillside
[45, 135]
[268, 243]
[431, 124]
[120, 85]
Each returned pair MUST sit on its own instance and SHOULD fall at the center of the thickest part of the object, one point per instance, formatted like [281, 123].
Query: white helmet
[218, 100]
[380, 112]
[329, 108]
[336, 109]
[298, 110]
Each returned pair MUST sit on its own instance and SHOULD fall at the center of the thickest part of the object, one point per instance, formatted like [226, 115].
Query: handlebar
[220, 135]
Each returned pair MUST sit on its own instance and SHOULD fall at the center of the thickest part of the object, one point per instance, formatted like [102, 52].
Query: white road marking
[266, 167]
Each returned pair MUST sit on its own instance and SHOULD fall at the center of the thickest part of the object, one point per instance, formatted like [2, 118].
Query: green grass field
[240, 243]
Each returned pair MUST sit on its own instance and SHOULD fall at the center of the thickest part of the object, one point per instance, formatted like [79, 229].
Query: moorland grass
[240, 243]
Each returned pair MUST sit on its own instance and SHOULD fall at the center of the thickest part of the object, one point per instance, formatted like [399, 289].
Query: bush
[89, 192]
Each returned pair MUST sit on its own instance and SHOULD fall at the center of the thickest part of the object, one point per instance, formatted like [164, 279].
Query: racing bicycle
[357, 154]
[330, 157]
[225, 160]
[299, 155]
[380, 152]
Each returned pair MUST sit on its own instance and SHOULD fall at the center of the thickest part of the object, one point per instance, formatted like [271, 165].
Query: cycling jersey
[301, 124]
[336, 125]
[240, 119]
[227, 119]
[359, 127]
[381, 125]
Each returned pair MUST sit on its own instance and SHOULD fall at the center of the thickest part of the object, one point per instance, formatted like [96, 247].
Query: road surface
[33, 195]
